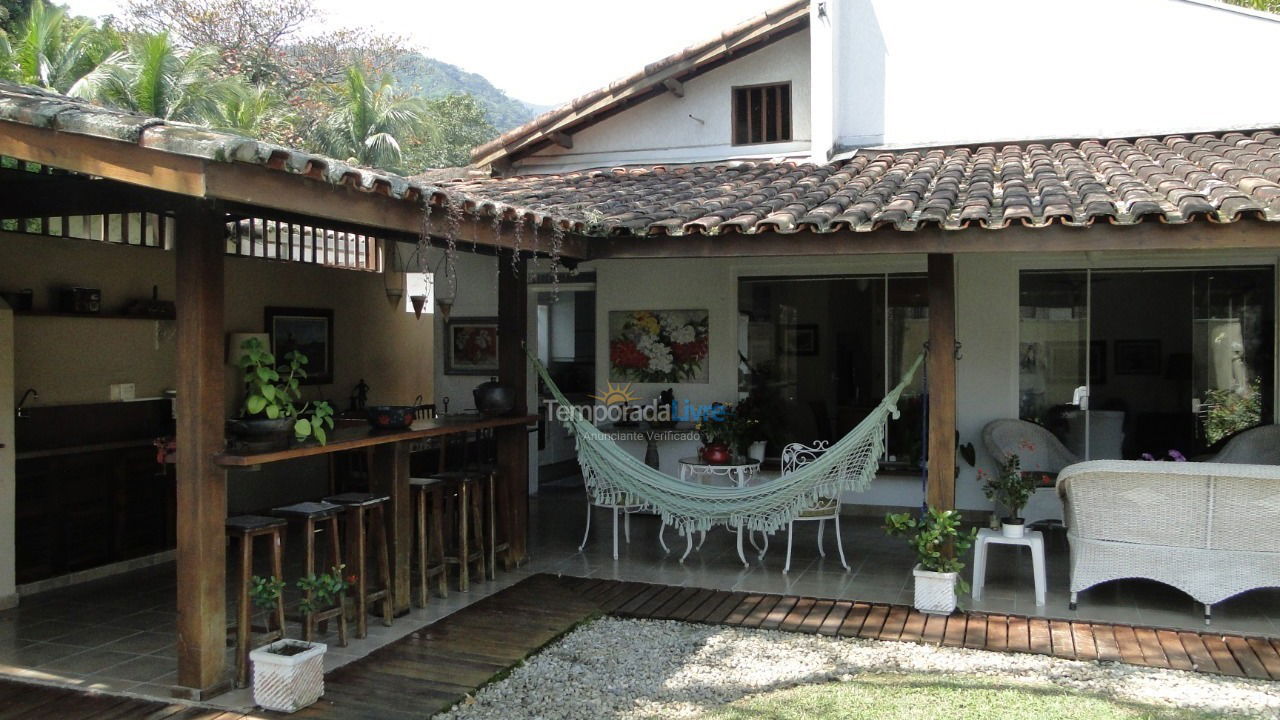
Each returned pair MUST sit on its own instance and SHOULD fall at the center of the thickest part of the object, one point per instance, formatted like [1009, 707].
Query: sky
[541, 51]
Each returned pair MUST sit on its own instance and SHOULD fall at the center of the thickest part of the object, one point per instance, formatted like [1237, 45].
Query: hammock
[614, 476]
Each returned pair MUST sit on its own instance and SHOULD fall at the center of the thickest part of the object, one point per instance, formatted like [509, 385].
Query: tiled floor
[118, 634]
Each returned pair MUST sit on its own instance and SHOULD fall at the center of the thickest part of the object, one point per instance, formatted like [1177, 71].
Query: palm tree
[153, 77]
[51, 50]
[251, 110]
[369, 123]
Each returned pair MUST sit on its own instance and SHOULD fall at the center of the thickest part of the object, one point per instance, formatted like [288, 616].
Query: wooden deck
[439, 665]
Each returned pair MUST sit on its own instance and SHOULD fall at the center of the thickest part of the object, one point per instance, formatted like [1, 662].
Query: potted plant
[1010, 488]
[270, 392]
[287, 674]
[725, 434]
[938, 541]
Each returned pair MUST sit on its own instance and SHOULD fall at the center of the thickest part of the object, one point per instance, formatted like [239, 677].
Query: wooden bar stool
[462, 493]
[246, 529]
[317, 517]
[428, 505]
[495, 511]
[358, 532]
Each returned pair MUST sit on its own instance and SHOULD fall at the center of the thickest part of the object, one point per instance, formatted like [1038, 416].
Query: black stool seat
[480, 468]
[252, 523]
[357, 498]
[453, 476]
[312, 510]
[424, 482]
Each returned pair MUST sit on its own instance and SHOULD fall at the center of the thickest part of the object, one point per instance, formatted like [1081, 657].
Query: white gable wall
[660, 130]
[939, 71]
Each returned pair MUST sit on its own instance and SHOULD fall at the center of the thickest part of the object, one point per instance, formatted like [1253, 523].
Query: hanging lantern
[418, 301]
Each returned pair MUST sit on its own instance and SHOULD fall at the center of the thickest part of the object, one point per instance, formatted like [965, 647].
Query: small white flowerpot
[755, 451]
[1013, 527]
[935, 591]
[288, 683]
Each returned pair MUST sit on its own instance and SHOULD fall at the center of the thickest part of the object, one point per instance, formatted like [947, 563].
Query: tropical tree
[251, 110]
[370, 122]
[460, 123]
[50, 49]
[153, 77]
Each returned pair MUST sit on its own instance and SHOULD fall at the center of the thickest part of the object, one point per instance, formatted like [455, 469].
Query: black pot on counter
[494, 398]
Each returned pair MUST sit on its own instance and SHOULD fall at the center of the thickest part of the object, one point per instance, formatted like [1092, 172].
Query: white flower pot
[288, 683]
[1013, 530]
[756, 450]
[935, 591]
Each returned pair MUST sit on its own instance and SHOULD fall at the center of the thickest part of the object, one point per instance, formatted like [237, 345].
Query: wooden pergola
[203, 194]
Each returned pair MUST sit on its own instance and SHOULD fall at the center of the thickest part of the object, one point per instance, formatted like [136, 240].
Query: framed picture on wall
[305, 330]
[471, 346]
[1138, 357]
[800, 340]
[659, 346]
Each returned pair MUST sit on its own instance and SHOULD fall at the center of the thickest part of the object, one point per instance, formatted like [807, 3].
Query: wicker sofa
[1208, 529]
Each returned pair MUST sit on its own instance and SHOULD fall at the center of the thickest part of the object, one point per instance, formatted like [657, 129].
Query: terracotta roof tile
[1174, 179]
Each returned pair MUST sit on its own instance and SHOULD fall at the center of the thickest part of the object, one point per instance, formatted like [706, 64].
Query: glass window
[824, 351]
[1135, 363]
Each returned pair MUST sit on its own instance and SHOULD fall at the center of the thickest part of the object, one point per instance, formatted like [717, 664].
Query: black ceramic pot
[494, 398]
[261, 427]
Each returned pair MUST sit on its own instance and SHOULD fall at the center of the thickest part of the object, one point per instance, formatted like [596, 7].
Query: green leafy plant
[1009, 487]
[936, 537]
[324, 588]
[1231, 411]
[725, 424]
[263, 592]
[270, 391]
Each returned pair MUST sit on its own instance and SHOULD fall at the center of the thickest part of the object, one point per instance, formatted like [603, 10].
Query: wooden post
[199, 246]
[389, 475]
[513, 441]
[941, 492]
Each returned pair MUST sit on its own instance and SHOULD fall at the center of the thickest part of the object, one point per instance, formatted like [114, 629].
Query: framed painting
[305, 330]
[800, 340]
[1138, 357]
[471, 346]
[658, 346]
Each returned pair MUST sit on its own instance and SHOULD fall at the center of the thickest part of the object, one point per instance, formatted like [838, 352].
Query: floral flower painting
[658, 346]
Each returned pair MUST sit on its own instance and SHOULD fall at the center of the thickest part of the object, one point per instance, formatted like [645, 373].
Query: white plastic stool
[1032, 539]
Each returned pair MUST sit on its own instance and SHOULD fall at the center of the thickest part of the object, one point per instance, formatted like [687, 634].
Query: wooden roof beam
[1244, 234]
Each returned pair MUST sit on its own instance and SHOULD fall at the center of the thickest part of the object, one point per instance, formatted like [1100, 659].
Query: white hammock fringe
[615, 477]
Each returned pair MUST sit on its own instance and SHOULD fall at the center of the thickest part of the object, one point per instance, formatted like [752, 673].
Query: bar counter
[389, 475]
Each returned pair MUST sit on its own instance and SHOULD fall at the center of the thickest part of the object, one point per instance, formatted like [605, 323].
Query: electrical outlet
[124, 391]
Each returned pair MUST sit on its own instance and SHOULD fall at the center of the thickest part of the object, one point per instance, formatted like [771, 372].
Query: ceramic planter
[288, 683]
[716, 454]
[1013, 527]
[935, 592]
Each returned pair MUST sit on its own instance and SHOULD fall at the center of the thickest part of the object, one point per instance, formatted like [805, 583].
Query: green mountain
[436, 79]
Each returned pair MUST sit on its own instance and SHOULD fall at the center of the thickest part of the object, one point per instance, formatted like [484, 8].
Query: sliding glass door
[1159, 363]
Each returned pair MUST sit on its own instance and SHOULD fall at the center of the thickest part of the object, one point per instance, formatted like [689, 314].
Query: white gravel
[658, 668]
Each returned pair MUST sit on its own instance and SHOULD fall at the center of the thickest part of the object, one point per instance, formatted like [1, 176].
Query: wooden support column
[389, 475]
[941, 492]
[513, 368]
[199, 246]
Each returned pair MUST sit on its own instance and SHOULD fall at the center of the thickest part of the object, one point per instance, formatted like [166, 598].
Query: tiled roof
[1172, 179]
[689, 62]
[1218, 177]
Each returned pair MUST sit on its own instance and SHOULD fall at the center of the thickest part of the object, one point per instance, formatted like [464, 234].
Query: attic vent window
[762, 114]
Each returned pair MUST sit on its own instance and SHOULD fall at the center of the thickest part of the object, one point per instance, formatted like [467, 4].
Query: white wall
[660, 130]
[940, 71]
[477, 296]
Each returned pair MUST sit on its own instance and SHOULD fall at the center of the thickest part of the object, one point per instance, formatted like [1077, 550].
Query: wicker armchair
[1208, 529]
[1038, 451]
[1255, 446]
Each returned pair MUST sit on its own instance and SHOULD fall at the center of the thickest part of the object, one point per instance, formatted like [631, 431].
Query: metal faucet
[22, 411]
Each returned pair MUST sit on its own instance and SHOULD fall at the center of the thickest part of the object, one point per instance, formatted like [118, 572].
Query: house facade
[968, 122]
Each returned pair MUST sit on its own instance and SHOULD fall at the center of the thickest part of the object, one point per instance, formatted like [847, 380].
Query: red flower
[690, 351]
[625, 354]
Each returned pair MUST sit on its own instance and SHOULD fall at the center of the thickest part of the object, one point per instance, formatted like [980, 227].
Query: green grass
[949, 697]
